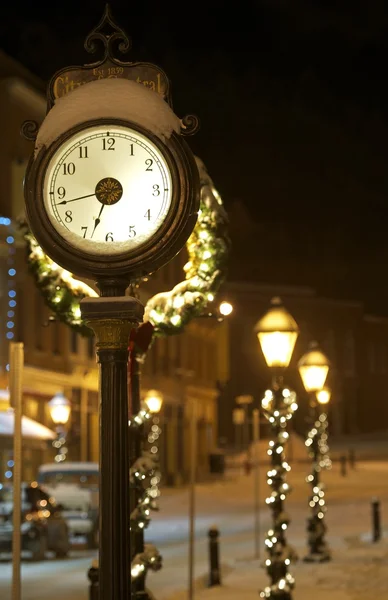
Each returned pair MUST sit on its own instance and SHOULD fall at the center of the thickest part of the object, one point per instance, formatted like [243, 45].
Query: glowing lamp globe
[154, 401]
[313, 368]
[277, 332]
[226, 308]
[60, 409]
[324, 395]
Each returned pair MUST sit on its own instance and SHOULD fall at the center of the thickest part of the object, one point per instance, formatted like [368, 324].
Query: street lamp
[225, 308]
[60, 409]
[154, 401]
[313, 368]
[277, 332]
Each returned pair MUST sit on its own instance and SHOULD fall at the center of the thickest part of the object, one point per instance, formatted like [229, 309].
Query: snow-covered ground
[359, 569]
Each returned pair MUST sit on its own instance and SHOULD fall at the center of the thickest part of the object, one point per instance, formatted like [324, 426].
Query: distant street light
[225, 308]
[313, 369]
[60, 409]
[277, 333]
[154, 401]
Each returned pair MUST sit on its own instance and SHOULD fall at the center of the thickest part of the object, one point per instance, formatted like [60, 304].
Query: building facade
[184, 368]
[355, 342]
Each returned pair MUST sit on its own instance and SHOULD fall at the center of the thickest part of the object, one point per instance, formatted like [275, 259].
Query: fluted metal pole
[112, 320]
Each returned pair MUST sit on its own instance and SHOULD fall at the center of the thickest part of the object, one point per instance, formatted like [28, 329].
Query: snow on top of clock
[108, 98]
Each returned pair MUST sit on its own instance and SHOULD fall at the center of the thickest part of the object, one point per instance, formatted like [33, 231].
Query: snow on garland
[169, 312]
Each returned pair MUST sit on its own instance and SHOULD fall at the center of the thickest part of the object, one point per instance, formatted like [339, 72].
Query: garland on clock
[317, 445]
[169, 312]
[278, 406]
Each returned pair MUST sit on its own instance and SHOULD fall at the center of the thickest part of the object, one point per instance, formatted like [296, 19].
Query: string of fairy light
[317, 445]
[278, 407]
[5, 223]
[145, 478]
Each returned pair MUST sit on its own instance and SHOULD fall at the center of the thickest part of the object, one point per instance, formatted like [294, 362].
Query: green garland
[169, 312]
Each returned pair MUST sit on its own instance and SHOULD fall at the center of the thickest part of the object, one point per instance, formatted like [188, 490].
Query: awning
[30, 428]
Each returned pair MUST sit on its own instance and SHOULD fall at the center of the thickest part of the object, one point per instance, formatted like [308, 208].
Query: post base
[317, 558]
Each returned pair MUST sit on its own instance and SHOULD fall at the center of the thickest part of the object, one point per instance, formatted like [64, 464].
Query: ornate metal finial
[108, 33]
[29, 130]
[189, 125]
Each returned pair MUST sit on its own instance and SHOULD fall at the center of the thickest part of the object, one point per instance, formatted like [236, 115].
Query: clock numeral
[148, 215]
[61, 192]
[109, 237]
[83, 152]
[131, 152]
[132, 232]
[156, 189]
[85, 229]
[68, 168]
[149, 162]
[108, 143]
[68, 216]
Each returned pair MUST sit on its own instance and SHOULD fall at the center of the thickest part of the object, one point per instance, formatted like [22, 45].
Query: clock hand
[98, 220]
[74, 199]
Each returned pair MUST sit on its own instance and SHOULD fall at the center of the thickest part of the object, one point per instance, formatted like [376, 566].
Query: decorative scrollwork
[112, 34]
[29, 130]
[189, 125]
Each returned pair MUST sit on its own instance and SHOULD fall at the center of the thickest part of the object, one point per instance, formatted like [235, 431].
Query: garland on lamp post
[317, 445]
[279, 404]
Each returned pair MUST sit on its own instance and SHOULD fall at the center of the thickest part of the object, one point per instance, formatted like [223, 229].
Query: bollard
[376, 520]
[214, 557]
[93, 578]
[343, 465]
[352, 458]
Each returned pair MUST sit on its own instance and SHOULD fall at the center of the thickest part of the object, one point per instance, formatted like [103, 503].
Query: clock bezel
[167, 241]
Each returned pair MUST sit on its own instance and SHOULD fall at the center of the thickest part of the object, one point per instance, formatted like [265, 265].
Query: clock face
[107, 189]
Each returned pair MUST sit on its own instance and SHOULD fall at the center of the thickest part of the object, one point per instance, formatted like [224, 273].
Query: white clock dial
[107, 189]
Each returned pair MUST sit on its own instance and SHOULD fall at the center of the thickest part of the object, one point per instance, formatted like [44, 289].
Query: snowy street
[356, 565]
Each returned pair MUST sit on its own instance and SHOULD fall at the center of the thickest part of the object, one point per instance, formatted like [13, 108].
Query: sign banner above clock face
[113, 40]
[147, 74]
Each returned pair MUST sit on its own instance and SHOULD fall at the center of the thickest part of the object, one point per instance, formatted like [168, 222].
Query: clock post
[116, 152]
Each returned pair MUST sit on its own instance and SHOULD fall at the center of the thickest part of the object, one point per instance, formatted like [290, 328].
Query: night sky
[293, 102]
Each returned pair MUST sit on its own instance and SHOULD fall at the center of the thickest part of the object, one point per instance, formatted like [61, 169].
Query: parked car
[43, 527]
[75, 486]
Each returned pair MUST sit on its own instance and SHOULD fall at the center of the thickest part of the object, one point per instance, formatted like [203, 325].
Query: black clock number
[156, 189]
[149, 162]
[85, 229]
[108, 143]
[83, 152]
[148, 215]
[61, 192]
[132, 232]
[68, 168]
[131, 152]
[109, 237]
[68, 216]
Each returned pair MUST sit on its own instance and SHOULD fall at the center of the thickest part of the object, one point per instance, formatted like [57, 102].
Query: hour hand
[98, 220]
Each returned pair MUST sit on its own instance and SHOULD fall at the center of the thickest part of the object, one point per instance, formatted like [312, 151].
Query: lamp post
[60, 409]
[277, 333]
[313, 368]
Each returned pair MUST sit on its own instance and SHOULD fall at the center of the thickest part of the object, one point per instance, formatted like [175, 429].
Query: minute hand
[97, 221]
[74, 199]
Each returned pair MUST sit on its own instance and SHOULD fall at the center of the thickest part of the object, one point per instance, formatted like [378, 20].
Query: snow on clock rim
[109, 98]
